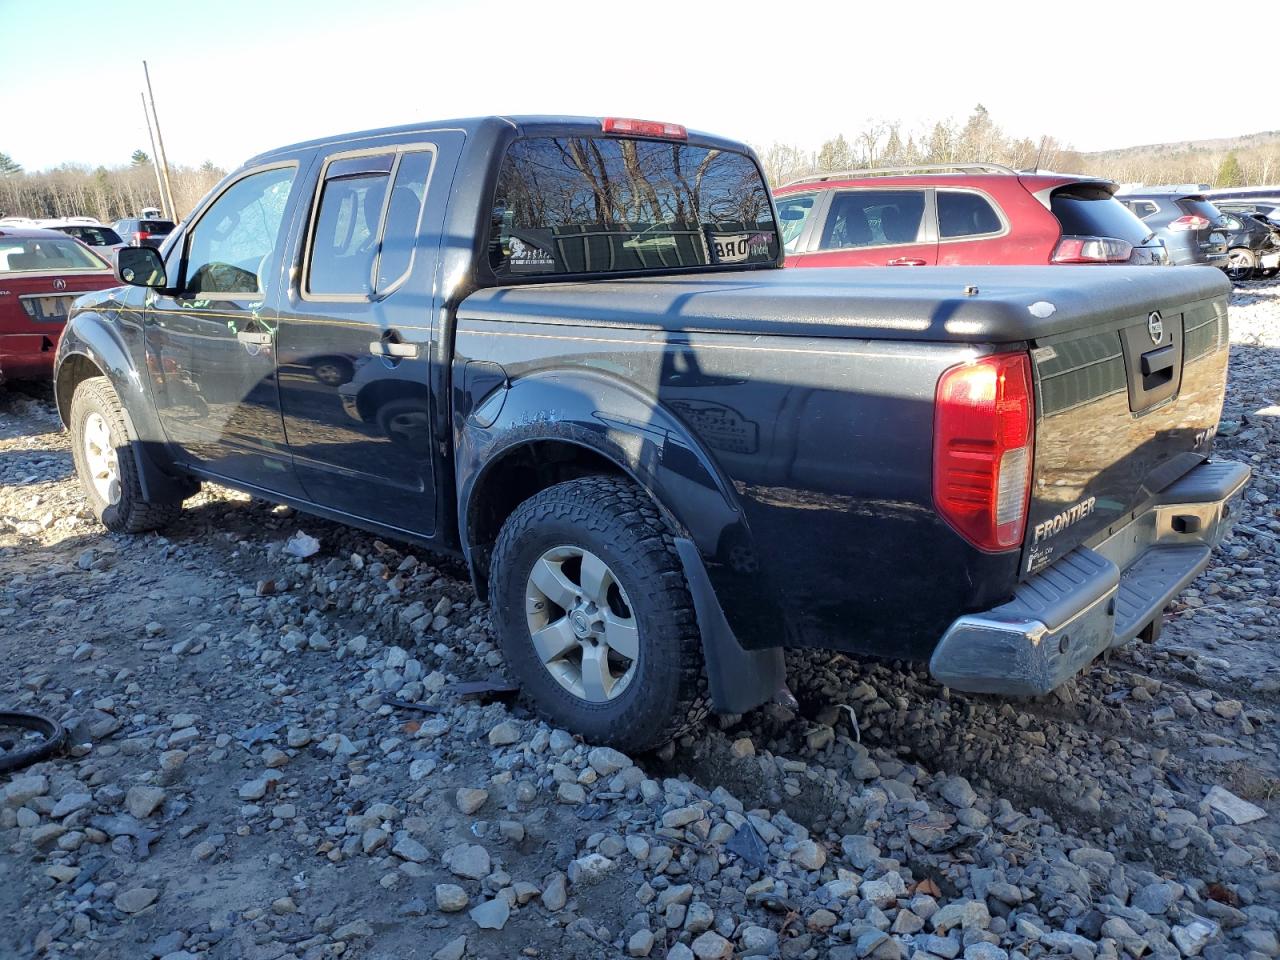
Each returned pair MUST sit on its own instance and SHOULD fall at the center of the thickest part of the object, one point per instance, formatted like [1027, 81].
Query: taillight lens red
[141, 235]
[1092, 250]
[982, 449]
[644, 128]
[1191, 222]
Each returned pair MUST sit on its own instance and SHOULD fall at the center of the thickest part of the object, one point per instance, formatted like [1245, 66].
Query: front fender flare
[94, 338]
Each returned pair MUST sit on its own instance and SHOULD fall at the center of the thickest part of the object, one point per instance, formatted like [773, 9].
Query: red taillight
[1191, 222]
[982, 446]
[141, 235]
[644, 128]
[1092, 250]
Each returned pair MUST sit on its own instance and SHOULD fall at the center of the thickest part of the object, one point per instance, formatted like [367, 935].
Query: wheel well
[74, 370]
[513, 479]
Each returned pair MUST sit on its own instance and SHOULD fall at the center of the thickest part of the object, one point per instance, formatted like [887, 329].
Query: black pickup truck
[564, 349]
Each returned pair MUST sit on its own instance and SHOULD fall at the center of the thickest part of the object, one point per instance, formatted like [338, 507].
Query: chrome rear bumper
[1094, 597]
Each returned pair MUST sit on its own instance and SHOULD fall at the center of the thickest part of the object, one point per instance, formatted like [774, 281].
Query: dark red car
[41, 272]
[958, 215]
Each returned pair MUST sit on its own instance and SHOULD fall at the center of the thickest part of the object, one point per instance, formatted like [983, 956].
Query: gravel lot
[237, 786]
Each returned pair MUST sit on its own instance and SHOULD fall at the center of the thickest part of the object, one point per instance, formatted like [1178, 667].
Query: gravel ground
[237, 787]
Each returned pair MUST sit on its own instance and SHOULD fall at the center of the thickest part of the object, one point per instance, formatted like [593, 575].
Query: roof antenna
[1040, 152]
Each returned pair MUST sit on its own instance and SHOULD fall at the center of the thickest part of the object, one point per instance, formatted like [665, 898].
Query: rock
[712, 946]
[451, 898]
[470, 799]
[570, 792]
[984, 951]
[70, 803]
[640, 944]
[492, 914]
[554, 894]
[409, 849]
[742, 748]
[19, 790]
[589, 869]
[142, 800]
[968, 914]
[606, 761]
[679, 951]
[453, 950]
[957, 792]
[859, 851]
[1192, 937]
[756, 941]
[809, 855]
[681, 816]
[1154, 898]
[1232, 807]
[353, 930]
[283, 906]
[698, 917]
[468, 860]
[504, 734]
[136, 899]
[254, 789]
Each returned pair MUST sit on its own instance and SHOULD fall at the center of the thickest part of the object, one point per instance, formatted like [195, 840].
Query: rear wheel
[1241, 262]
[594, 614]
[108, 473]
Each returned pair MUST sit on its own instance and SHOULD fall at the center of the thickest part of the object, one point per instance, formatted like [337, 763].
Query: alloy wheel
[100, 458]
[581, 623]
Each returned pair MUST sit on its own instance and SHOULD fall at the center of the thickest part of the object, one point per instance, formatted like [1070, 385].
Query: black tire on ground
[128, 512]
[615, 520]
[1241, 263]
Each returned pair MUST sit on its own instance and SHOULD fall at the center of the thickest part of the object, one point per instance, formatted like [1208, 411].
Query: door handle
[393, 348]
[906, 262]
[250, 338]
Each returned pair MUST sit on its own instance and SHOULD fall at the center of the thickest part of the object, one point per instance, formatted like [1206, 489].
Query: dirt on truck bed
[274, 756]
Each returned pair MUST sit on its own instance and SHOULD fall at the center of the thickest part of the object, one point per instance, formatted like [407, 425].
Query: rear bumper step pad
[1095, 597]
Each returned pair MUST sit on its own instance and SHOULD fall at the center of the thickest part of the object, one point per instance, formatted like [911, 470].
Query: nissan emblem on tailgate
[1155, 326]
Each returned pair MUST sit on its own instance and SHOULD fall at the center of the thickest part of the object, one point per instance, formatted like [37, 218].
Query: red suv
[958, 215]
[41, 272]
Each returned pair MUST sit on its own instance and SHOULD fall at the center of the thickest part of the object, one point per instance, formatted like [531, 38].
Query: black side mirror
[140, 267]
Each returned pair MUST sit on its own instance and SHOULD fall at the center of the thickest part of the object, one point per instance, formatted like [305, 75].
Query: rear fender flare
[647, 442]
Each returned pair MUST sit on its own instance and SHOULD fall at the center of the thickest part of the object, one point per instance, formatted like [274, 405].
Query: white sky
[236, 77]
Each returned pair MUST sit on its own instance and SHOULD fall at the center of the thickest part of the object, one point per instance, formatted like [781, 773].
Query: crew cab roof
[524, 126]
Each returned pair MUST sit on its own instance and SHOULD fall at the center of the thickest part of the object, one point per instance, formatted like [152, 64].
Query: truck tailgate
[1123, 408]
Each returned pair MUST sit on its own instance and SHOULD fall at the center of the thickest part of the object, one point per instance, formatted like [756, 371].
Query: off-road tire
[615, 520]
[1245, 263]
[131, 513]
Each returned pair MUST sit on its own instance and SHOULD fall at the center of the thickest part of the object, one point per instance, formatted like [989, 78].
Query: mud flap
[738, 679]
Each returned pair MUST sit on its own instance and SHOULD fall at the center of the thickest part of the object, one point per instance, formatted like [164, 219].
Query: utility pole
[155, 158]
[164, 161]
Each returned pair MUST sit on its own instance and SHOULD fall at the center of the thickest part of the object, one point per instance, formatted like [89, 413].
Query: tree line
[107, 193]
[1243, 161]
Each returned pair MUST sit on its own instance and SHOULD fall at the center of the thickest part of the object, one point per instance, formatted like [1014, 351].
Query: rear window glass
[567, 205]
[93, 236]
[155, 227]
[1092, 212]
[19, 255]
[1201, 208]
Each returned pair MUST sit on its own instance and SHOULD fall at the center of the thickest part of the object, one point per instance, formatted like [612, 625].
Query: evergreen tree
[1229, 172]
[9, 166]
[140, 158]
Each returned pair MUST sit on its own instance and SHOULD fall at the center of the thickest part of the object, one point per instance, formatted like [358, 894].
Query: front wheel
[104, 464]
[594, 614]
[1241, 262]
